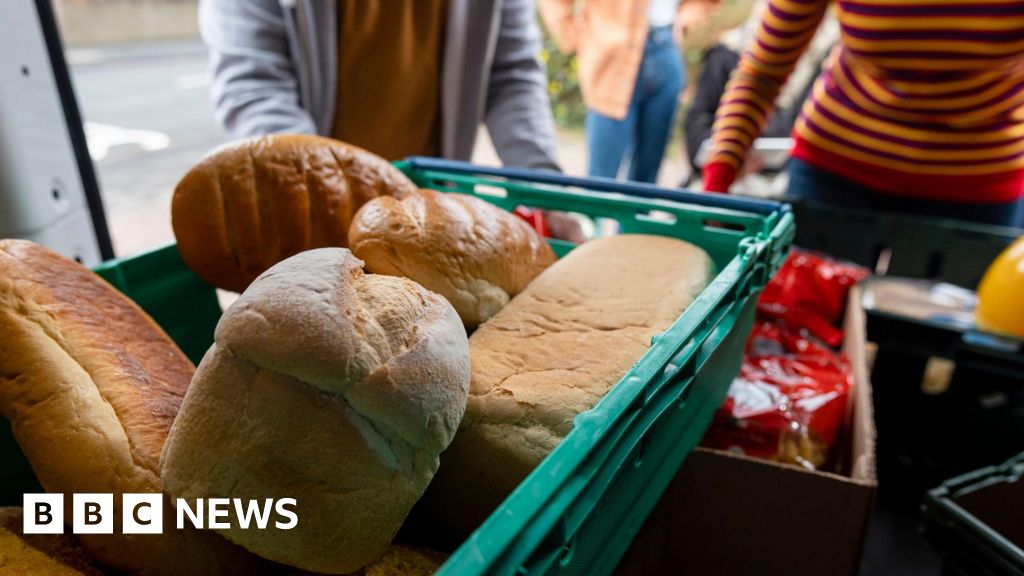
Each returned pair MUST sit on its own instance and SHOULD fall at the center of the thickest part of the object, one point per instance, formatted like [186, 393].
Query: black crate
[976, 521]
[902, 245]
[917, 447]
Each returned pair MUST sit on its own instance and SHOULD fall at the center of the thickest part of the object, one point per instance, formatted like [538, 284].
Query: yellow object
[1001, 293]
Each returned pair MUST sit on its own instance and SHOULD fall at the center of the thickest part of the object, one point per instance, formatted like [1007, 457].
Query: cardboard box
[729, 514]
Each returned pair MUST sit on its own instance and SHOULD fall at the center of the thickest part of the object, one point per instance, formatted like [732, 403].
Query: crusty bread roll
[91, 385]
[328, 386]
[253, 203]
[405, 561]
[471, 252]
[552, 353]
[398, 560]
[33, 554]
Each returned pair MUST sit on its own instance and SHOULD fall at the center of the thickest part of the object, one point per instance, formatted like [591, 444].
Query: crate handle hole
[657, 217]
[883, 259]
[492, 191]
[444, 185]
[712, 224]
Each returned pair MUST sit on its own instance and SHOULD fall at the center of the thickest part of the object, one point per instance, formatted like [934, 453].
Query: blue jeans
[813, 183]
[645, 130]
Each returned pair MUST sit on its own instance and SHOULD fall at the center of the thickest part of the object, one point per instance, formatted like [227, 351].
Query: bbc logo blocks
[93, 514]
[142, 514]
[44, 514]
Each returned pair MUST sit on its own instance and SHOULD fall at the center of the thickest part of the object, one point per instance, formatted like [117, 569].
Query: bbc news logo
[144, 514]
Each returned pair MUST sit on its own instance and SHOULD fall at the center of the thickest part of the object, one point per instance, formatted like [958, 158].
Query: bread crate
[580, 508]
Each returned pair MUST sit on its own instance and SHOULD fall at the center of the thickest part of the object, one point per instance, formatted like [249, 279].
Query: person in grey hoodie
[398, 77]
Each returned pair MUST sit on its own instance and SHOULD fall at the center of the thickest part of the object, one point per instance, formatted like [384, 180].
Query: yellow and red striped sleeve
[784, 33]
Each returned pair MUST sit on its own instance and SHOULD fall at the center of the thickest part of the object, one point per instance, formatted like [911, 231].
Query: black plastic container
[901, 245]
[976, 521]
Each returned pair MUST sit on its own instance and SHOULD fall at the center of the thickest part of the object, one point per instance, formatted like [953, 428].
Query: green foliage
[563, 86]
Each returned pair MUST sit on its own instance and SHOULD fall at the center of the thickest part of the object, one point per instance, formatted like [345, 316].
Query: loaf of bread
[397, 560]
[332, 387]
[47, 554]
[251, 204]
[552, 353]
[471, 252]
[91, 385]
[405, 561]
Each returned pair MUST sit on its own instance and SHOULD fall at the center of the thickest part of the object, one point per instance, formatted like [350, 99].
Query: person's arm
[254, 89]
[560, 19]
[785, 30]
[518, 111]
[718, 64]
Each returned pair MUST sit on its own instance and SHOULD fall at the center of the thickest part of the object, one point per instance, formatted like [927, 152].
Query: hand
[565, 227]
[752, 164]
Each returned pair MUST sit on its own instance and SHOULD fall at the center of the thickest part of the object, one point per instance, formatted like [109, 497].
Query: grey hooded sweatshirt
[274, 65]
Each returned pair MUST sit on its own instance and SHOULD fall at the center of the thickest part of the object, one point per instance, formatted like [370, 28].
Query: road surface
[149, 119]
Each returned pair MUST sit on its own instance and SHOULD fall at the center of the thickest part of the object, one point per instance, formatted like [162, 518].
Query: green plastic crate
[580, 509]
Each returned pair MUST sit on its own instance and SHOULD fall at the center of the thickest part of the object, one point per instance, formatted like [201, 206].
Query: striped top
[924, 97]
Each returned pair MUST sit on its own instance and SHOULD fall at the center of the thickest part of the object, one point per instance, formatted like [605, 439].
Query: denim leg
[997, 213]
[607, 140]
[662, 77]
[812, 183]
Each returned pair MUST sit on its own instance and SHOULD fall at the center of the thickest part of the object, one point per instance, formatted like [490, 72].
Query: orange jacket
[608, 37]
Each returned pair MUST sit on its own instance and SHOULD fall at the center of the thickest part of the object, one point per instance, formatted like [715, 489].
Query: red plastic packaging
[535, 218]
[810, 292]
[789, 401]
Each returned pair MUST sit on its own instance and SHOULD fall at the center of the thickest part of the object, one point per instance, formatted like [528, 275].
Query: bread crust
[253, 203]
[553, 353]
[50, 554]
[91, 386]
[473, 253]
[329, 386]
[398, 560]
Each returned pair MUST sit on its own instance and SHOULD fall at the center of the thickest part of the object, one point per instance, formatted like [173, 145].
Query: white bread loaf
[473, 253]
[554, 352]
[49, 554]
[329, 386]
[397, 560]
[91, 385]
[252, 203]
